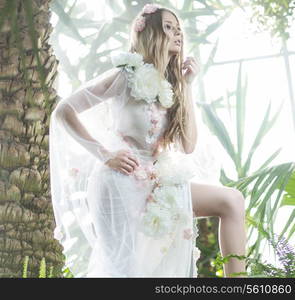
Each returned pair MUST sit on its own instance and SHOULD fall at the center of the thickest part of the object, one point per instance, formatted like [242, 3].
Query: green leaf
[287, 200]
[289, 197]
[240, 113]
[25, 267]
[292, 230]
[217, 126]
[65, 19]
[287, 225]
[258, 225]
[214, 26]
[265, 126]
[42, 268]
[210, 57]
[270, 159]
[258, 138]
[114, 5]
[290, 188]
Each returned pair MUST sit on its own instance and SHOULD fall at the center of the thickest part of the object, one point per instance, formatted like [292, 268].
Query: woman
[125, 176]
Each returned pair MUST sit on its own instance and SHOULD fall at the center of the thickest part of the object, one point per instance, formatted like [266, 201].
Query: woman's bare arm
[66, 114]
[190, 127]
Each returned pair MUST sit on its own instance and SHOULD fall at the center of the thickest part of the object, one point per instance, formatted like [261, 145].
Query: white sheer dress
[116, 225]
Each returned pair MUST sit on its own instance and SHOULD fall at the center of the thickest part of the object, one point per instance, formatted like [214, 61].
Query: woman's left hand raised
[191, 67]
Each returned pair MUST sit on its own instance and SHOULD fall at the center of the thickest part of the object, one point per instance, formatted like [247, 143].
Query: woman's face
[173, 31]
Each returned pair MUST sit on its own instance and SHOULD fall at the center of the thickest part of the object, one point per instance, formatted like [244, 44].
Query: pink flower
[150, 198]
[150, 8]
[145, 172]
[139, 23]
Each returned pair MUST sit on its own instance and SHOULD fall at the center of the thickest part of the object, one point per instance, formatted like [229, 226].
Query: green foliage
[43, 273]
[207, 242]
[67, 273]
[220, 261]
[286, 257]
[275, 16]
[257, 268]
[266, 187]
[25, 267]
[42, 270]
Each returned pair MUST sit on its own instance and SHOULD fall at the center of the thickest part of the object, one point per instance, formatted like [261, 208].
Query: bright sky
[266, 82]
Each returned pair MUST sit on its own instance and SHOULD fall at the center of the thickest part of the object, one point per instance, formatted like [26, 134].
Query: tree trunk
[26, 217]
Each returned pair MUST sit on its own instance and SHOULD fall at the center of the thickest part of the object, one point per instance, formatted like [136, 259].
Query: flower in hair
[150, 8]
[140, 20]
[139, 23]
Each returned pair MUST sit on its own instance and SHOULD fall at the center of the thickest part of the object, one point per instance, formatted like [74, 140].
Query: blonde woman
[127, 165]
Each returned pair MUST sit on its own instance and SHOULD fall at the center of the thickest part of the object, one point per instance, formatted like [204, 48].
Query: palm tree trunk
[26, 217]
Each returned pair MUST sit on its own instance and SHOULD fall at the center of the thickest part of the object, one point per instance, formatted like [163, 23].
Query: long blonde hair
[152, 44]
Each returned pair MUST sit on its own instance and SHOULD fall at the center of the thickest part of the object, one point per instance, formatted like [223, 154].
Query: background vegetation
[28, 89]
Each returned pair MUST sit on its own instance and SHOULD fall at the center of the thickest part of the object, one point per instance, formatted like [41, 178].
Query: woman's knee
[233, 203]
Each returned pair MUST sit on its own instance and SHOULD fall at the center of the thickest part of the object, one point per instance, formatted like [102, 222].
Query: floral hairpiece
[140, 21]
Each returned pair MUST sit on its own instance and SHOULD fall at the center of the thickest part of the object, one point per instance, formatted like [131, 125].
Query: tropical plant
[275, 16]
[265, 186]
[286, 256]
[258, 268]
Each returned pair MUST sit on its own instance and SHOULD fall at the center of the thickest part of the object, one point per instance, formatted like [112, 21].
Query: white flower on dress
[144, 79]
[166, 94]
[196, 253]
[166, 196]
[157, 221]
[140, 173]
[196, 256]
[127, 58]
[145, 83]
[174, 168]
[162, 213]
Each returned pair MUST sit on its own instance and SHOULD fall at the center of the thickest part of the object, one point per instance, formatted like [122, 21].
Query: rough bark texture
[26, 217]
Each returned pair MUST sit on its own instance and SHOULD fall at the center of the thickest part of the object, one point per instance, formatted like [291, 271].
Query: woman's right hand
[123, 161]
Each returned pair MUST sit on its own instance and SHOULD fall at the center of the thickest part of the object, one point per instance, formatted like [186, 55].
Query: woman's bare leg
[227, 204]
